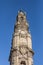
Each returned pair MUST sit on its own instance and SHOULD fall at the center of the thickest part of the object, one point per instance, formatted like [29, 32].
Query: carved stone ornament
[23, 50]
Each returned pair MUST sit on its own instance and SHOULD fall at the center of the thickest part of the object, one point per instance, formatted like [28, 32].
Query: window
[23, 63]
[21, 18]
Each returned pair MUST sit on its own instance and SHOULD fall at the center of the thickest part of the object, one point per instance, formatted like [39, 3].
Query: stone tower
[21, 49]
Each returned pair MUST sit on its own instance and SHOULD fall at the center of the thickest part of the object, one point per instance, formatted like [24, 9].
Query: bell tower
[21, 52]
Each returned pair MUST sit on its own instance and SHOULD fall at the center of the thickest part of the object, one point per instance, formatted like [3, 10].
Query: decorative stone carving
[21, 50]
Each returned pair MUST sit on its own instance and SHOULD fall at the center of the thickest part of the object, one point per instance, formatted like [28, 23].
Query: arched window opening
[23, 63]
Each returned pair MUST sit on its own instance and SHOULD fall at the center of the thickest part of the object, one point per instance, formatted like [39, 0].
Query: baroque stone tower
[21, 49]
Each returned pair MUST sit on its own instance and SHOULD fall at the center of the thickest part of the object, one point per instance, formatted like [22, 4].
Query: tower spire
[21, 51]
[21, 21]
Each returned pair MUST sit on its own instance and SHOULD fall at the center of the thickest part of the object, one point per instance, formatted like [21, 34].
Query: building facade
[21, 52]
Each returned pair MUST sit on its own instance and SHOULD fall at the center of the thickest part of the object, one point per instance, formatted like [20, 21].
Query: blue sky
[8, 13]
